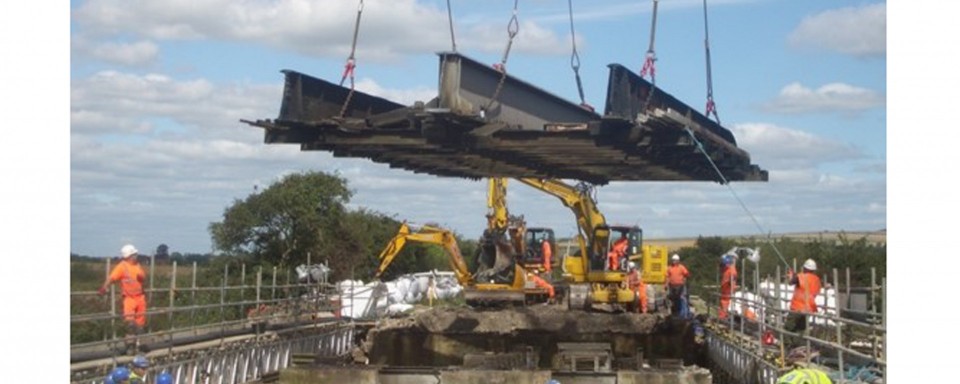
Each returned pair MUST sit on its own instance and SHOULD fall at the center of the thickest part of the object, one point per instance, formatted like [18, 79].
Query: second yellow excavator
[595, 278]
[491, 285]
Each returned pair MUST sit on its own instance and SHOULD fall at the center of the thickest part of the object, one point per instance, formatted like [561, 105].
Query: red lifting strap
[648, 66]
[348, 71]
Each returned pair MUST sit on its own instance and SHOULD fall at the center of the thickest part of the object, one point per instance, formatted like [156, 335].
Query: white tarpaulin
[359, 300]
[826, 301]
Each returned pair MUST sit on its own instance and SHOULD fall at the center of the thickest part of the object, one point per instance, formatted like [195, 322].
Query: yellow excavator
[588, 271]
[489, 286]
[526, 242]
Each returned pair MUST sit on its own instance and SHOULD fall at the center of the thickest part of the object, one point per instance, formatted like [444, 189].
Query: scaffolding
[238, 328]
[846, 337]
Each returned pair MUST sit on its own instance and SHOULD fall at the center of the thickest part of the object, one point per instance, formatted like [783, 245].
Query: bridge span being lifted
[486, 123]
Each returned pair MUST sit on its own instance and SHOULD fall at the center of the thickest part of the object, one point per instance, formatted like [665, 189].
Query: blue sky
[157, 90]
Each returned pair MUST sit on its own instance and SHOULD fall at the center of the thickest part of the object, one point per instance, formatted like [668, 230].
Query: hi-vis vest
[804, 376]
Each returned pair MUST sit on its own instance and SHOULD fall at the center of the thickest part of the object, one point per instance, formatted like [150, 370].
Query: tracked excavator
[487, 287]
[525, 242]
[591, 278]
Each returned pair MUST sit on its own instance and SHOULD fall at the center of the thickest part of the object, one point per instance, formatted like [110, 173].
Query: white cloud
[833, 97]
[778, 148]
[857, 31]
[122, 53]
[401, 96]
[137, 53]
[388, 28]
[116, 102]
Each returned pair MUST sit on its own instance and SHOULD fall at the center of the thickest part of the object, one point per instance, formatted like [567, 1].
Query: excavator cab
[532, 257]
[606, 238]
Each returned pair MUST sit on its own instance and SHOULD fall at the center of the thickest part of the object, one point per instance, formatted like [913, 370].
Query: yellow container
[654, 264]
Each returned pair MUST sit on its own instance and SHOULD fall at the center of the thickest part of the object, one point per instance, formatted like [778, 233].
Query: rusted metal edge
[627, 98]
[309, 99]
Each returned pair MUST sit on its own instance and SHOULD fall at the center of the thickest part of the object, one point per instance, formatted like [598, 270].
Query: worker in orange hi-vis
[635, 283]
[617, 252]
[728, 283]
[541, 283]
[807, 287]
[677, 275]
[547, 255]
[130, 276]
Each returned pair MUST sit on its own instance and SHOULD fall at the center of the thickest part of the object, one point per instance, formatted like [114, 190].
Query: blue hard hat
[726, 260]
[120, 374]
[109, 379]
[164, 378]
[140, 361]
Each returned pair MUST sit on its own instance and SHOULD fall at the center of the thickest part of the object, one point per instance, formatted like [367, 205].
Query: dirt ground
[549, 318]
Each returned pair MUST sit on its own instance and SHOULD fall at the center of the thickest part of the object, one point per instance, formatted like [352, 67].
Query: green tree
[280, 225]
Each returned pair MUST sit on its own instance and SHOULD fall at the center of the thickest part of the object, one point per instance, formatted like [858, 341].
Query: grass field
[874, 237]
[673, 244]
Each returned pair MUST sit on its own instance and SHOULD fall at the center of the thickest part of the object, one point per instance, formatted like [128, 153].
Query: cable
[351, 61]
[734, 193]
[711, 106]
[575, 59]
[513, 27]
[453, 38]
[649, 63]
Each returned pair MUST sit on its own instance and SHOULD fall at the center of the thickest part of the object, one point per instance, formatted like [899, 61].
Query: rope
[351, 61]
[734, 193]
[513, 27]
[453, 38]
[649, 64]
[711, 106]
[575, 59]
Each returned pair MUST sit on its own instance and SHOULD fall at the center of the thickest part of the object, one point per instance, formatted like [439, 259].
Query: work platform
[485, 123]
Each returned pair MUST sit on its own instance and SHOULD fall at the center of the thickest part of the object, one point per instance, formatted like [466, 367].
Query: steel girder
[485, 123]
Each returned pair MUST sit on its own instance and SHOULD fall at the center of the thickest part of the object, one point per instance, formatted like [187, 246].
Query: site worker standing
[636, 284]
[617, 252]
[677, 275]
[805, 291]
[728, 283]
[547, 255]
[131, 276]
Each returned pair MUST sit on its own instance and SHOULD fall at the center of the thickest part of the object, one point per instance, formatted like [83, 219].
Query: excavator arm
[430, 235]
[476, 291]
[497, 214]
[584, 208]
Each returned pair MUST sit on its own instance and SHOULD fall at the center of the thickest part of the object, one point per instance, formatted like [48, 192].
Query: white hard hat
[675, 257]
[128, 250]
[810, 264]
[632, 265]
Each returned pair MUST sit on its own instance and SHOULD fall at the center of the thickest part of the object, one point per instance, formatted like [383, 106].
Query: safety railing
[848, 343]
[181, 310]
